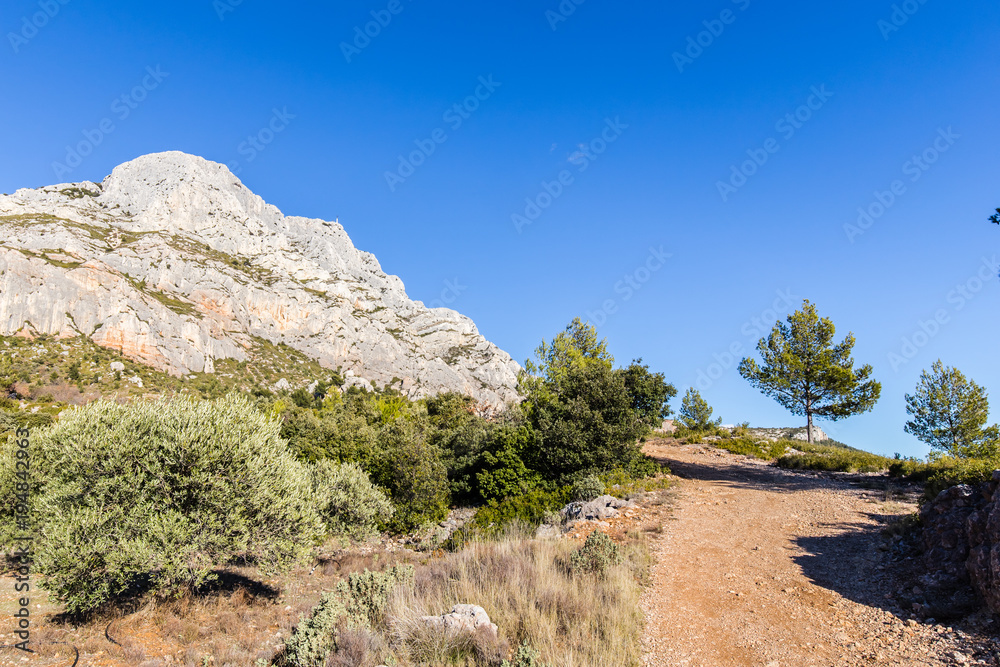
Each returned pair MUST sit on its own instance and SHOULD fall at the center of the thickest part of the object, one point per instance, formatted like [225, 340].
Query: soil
[764, 567]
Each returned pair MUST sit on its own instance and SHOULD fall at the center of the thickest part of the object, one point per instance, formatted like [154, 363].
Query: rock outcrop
[598, 509]
[463, 618]
[961, 534]
[175, 263]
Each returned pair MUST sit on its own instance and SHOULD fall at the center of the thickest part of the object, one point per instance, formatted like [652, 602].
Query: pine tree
[807, 374]
[949, 413]
[695, 413]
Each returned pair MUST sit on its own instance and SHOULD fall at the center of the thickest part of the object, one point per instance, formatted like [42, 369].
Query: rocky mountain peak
[176, 263]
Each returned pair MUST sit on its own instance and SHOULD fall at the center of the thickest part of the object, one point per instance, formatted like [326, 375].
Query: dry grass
[527, 588]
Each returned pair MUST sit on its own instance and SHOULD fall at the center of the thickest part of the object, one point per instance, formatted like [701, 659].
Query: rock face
[175, 263]
[463, 618]
[961, 533]
[799, 433]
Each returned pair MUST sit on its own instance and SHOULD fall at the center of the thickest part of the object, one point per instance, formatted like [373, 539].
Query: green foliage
[588, 415]
[807, 374]
[413, 471]
[944, 472]
[157, 495]
[588, 488]
[833, 459]
[949, 413]
[529, 509]
[995, 218]
[359, 602]
[597, 555]
[650, 393]
[695, 413]
[749, 446]
[524, 657]
[347, 500]
[504, 473]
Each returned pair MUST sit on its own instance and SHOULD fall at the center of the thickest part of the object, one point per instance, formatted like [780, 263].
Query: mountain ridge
[176, 263]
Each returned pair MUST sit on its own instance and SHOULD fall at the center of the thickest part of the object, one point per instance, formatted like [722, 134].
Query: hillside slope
[174, 262]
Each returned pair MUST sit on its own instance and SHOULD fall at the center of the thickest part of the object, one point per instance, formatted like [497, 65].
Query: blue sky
[587, 112]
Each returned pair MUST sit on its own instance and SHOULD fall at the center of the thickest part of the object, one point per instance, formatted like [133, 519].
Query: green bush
[359, 602]
[347, 500]
[155, 496]
[503, 471]
[952, 472]
[413, 471]
[524, 657]
[750, 446]
[529, 508]
[834, 459]
[597, 554]
[588, 488]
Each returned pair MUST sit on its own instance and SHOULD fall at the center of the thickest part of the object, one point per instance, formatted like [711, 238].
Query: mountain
[172, 261]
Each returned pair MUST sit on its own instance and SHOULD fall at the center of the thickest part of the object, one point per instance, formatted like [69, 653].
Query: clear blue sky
[885, 96]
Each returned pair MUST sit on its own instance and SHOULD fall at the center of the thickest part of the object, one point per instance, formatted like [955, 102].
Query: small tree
[949, 413]
[807, 374]
[588, 415]
[696, 413]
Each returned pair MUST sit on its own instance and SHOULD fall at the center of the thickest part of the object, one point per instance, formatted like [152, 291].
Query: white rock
[463, 618]
[176, 264]
[117, 366]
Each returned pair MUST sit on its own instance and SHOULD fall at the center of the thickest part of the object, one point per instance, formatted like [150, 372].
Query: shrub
[750, 446]
[529, 508]
[504, 473]
[413, 471]
[597, 554]
[588, 488]
[347, 500]
[834, 459]
[360, 602]
[154, 496]
[952, 472]
[525, 657]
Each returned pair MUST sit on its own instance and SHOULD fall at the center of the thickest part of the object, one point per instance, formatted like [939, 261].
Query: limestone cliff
[173, 261]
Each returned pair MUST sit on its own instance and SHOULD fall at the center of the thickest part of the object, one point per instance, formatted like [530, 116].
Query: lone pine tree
[807, 373]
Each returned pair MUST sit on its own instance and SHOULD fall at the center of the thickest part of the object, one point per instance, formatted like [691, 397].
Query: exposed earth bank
[764, 567]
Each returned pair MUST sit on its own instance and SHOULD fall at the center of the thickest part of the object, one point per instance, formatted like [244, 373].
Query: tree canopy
[949, 413]
[695, 411]
[588, 415]
[807, 373]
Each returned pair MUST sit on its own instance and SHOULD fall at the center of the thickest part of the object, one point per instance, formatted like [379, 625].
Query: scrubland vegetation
[148, 492]
[141, 501]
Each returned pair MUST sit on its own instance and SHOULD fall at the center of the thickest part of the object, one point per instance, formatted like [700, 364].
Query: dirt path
[763, 567]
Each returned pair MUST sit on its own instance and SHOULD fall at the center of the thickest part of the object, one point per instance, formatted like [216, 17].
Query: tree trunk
[809, 429]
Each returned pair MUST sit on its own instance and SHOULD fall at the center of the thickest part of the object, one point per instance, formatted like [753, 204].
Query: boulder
[463, 618]
[604, 507]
